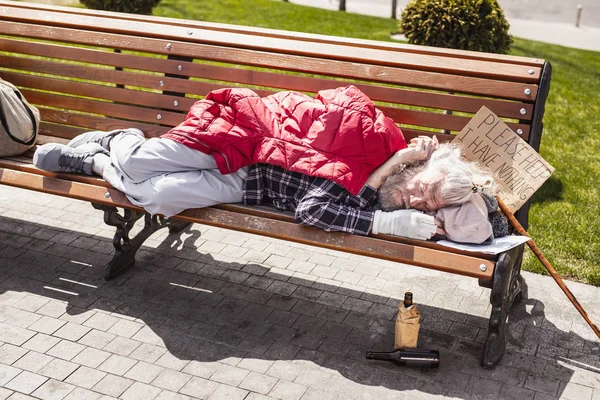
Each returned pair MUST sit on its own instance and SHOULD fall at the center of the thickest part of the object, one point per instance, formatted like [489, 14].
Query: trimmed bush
[477, 25]
[126, 6]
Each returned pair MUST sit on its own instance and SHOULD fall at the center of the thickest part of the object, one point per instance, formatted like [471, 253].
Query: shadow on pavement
[206, 310]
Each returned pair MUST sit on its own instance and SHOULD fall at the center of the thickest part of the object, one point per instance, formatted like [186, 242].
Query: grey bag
[19, 121]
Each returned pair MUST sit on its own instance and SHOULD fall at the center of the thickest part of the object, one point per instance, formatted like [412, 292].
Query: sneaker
[101, 137]
[56, 157]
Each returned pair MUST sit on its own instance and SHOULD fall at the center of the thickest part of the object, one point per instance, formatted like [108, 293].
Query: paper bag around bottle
[408, 323]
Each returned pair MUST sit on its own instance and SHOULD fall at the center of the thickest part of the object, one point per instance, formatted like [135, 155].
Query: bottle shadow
[202, 307]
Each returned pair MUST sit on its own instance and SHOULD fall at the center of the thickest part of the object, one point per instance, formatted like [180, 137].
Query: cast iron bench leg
[126, 247]
[508, 286]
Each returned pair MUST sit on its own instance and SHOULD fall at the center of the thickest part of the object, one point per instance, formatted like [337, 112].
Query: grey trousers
[166, 177]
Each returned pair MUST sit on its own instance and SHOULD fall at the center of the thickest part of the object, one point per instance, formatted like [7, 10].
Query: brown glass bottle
[408, 357]
[408, 299]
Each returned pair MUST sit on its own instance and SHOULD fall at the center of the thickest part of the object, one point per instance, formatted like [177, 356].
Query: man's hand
[419, 149]
[408, 223]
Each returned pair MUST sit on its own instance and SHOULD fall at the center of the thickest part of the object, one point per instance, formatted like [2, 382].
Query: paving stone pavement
[217, 314]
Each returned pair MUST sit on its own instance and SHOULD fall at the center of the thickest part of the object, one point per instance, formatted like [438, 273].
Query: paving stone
[199, 388]
[31, 303]
[72, 331]
[171, 380]
[229, 375]
[256, 396]
[9, 353]
[259, 383]
[140, 391]
[65, 350]
[97, 339]
[40, 343]
[85, 377]
[255, 364]
[313, 378]
[224, 392]
[7, 373]
[32, 361]
[125, 328]
[26, 382]
[91, 357]
[5, 393]
[143, 372]
[117, 365]
[112, 385]
[78, 315]
[53, 390]
[14, 335]
[170, 361]
[6, 312]
[282, 288]
[332, 299]
[122, 346]
[574, 391]
[282, 302]
[82, 394]
[201, 369]
[148, 352]
[307, 308]
[58, 369]
[23, 319]
[536, 383]
[166, 395]
[287, 390]
[312, 394]
[101, 321]
[258, 282]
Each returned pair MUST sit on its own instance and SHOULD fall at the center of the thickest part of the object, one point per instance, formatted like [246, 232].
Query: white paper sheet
[496, 247]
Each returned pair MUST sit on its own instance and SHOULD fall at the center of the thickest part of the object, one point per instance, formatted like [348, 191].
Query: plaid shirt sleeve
[253, 185]
[330, 207]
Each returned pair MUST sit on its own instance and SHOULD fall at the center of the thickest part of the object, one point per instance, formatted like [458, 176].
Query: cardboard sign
[518, 169]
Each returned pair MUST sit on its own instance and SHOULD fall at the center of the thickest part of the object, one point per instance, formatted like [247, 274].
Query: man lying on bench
[302, 163]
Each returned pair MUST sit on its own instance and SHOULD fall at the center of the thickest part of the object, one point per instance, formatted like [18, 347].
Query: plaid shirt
[316, 202]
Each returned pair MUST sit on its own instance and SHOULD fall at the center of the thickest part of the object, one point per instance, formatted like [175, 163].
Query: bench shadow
[209, 309]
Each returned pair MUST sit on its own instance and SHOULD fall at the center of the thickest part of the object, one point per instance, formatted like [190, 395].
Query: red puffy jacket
[340, 135]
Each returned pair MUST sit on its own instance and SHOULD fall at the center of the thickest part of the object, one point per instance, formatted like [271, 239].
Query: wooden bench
[90, 70]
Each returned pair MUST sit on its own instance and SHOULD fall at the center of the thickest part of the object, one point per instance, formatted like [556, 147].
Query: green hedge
[477, 25]
[127, 6]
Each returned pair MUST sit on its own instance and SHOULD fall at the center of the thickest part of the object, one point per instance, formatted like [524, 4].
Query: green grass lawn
[565, 215]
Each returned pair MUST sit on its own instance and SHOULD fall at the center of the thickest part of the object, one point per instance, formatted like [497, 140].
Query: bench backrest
[99, 70]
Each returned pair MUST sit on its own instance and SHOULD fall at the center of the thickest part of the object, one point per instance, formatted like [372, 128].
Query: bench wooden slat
[486, 69]
[383, 74]
[438, 120]
[255, 31]
[91, 122]
[124, 96]
[372, 247]
[501, 108]
[157, 83]
[117, 110]
[145, 115]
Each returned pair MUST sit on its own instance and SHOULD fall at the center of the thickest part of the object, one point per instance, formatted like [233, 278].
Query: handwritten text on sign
[518, 168]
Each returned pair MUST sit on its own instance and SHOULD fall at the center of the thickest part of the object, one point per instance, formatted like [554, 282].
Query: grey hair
[462, 178]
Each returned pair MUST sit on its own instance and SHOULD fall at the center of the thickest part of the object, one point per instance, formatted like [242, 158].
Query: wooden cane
[513, 221]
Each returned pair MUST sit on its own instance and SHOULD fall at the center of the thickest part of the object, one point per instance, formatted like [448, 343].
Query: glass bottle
[408, 357]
